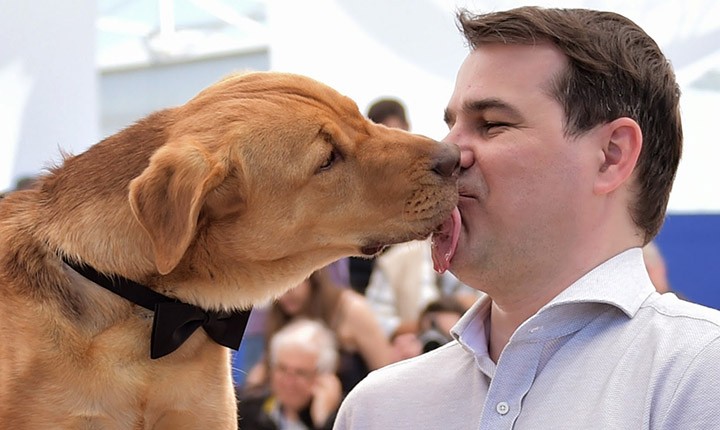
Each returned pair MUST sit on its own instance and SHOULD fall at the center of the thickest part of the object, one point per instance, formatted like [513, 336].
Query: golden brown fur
[222, 202]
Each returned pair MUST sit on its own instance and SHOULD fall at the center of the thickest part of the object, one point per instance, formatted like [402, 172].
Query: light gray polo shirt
[607, 353]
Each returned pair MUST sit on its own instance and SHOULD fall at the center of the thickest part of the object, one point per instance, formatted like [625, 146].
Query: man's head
[389, 112]
[569, 132]
[299, 352]
[614, 70]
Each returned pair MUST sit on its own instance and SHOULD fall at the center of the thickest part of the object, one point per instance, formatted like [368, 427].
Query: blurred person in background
[436, 321]
[22, 183]
[362, 344]
[433, 328]
[403, 282]
[253, 342]
[391, 113]
[656, 267]
[303, 391]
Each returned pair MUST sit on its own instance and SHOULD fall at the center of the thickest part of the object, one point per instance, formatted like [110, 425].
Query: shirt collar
[622, 282]
[469, 331]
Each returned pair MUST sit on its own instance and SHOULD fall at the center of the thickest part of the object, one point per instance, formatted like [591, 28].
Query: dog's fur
[223, 202]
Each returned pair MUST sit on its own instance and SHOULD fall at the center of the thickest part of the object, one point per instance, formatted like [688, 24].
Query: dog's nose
[446, 162]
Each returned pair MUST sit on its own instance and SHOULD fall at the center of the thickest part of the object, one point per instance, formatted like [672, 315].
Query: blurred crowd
[287, 378]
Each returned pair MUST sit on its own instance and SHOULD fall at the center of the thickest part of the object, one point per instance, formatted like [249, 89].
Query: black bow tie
[174, 321]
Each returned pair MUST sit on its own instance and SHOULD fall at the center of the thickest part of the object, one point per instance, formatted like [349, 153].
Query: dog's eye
[329, 161]
[333, 155]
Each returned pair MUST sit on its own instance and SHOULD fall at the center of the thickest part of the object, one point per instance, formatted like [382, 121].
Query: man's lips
[466, 192]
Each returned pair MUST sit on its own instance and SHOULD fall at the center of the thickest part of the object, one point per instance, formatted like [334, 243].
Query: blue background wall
[690, 245]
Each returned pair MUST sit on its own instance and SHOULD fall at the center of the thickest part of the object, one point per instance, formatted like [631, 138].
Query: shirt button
[535, 329]
[502, 408]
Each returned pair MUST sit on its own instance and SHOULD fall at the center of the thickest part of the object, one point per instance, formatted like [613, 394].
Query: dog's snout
[446, 162]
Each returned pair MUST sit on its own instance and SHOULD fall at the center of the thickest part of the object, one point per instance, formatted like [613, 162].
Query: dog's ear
[167, 197]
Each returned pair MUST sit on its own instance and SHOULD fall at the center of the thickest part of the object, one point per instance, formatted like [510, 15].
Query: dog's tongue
[444, 242]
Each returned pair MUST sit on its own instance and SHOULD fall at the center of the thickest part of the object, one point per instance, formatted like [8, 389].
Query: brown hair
[382, 109]
[614, 70]
[321, 306]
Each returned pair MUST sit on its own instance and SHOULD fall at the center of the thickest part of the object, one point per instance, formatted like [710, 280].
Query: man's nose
[467, 157]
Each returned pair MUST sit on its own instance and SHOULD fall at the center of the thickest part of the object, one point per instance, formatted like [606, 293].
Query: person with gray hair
[568, 124]
[309, 336]
[304, 392]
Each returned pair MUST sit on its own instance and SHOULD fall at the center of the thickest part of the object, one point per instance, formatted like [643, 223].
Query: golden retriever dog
[215, 205]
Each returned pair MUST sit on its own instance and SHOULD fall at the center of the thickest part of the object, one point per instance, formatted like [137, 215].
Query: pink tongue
[444, 242]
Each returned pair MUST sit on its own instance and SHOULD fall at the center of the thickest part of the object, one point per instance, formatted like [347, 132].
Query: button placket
[512, 380]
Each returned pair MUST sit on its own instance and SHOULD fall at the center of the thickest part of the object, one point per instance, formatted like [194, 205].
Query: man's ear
[167, 197]
[619, 154]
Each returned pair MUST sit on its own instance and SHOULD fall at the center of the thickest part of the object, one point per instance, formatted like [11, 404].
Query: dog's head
[268, 176]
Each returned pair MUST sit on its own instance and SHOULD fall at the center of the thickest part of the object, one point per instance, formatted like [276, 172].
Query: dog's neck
[82, 207]
[174, 321]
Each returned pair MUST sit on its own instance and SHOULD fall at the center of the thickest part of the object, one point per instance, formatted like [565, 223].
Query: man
[304, 392]
[570, 133]
[389, 112]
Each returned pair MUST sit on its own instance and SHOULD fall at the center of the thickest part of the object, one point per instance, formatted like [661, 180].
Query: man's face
[524, 186]
[396, 122]
[293, 377]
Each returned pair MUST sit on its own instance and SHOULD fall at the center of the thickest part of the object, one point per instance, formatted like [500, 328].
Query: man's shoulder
[418, 372]
[415, 393]
[451, 351]
[673, 309]
[678, 327]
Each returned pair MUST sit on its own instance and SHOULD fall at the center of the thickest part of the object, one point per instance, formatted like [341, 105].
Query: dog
[215, 205]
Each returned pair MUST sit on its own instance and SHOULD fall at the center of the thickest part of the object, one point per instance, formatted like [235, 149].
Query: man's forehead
[496, 64]
[495, 75]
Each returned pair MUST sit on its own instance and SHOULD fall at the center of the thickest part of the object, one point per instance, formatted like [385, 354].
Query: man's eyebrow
[490, 104]
[482, 105]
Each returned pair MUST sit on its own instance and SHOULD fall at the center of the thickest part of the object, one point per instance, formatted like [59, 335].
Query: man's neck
[508, 312]
[504, 320]
[511, 306]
